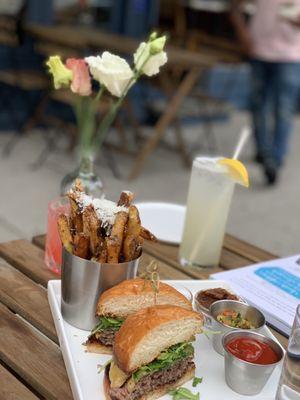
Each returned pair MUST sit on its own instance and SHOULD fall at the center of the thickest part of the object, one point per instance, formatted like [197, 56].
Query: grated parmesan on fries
[101, 230]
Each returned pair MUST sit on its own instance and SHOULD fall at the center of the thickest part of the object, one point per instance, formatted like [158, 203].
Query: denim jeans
[275, 90]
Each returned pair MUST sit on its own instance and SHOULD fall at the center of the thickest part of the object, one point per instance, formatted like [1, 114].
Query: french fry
[146, 234]
[138, 248]
[95, 239]
[91, 227]
[84, 235]
[102, 256]
[113, 249]
[78, 186]
[76, 214]
[86, 221]
[133, 231]
[125, 198]
[115, 240]
[81, 246]
[65, 232]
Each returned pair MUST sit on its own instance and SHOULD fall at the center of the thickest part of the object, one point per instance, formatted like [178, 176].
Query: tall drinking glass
[289, 384]
[53, 251]
[208, 203]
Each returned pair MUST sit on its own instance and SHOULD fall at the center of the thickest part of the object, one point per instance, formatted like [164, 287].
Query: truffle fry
[132, 234]
[86, 221]
[81, 246]
[91, 225]
[138, 248]
[65, 232]
[76, 214]
[126, 198]
[102, 256]
[78, 186]
[146, 234]
[115, 240]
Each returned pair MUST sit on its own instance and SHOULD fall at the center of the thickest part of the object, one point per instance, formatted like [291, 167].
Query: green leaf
[184, 394]
[196, 381]
[165, 359]
[102, 367]
[108, 323]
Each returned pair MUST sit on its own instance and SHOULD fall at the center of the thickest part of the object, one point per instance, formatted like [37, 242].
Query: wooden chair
[197, 107]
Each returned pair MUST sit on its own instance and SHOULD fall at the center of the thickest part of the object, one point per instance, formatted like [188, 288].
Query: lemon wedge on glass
[236, 170]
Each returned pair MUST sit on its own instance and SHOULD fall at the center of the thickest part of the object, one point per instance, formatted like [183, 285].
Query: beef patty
[154, 381]
[106, 337]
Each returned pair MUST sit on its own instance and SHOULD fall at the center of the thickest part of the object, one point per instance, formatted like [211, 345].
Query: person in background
[272, 42]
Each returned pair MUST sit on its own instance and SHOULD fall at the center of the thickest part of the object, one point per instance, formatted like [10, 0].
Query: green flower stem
[111, 115]
[85, 110]
[99, 94]
[86, 124]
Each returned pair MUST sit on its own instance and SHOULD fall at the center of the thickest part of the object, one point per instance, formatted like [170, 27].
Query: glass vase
[91, 182]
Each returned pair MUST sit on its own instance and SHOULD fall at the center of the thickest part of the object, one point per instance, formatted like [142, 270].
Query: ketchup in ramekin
[252, 351]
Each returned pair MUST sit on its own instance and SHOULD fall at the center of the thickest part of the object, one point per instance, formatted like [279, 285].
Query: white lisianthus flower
[111, 71]
[153, 51]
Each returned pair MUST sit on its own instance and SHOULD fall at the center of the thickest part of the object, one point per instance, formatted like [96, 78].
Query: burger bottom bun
[156, 394]
[95, 347]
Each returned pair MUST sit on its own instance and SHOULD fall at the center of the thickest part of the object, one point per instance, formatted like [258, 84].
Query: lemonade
[209, 198]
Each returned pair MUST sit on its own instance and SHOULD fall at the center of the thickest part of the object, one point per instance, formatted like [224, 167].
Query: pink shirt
[274, 38]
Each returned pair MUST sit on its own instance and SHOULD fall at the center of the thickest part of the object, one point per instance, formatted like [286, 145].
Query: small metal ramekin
[252, 314]
[242, 376]
[201, 309]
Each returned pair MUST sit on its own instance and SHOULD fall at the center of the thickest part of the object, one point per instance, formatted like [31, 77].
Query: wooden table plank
[39, 241]
[35, 358]
[26, 298]
[12, 389]
[169, 254]
[28, 258]
[166, 271]
[247, 250]
[281, 339]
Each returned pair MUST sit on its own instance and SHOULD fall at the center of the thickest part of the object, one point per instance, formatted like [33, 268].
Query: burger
[152, 353]
[122, 300]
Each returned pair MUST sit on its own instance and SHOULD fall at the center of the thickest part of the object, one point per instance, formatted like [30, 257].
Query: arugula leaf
[196, 381]
[102, 367]
[184, 394]
[165, 359]
[108, 323]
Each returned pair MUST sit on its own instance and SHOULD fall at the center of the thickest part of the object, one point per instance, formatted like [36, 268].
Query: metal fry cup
[242, 376]
[82, 282]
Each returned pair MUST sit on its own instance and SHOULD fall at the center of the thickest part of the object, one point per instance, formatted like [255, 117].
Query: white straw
[245, 133]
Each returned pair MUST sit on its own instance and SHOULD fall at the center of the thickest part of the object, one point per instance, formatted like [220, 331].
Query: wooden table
[31, 363]
[70, 40]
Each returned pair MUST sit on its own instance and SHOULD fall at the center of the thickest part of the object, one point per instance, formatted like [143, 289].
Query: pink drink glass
[53, 253]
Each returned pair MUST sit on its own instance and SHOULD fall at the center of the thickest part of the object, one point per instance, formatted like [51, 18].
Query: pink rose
[81, 82]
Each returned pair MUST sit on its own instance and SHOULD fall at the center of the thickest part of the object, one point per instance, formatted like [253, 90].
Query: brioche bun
[98, 348]
[145, 334]
[156, 394]
[132, 295]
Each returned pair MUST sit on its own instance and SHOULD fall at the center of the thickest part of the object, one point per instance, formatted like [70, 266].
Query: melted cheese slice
[116, 376]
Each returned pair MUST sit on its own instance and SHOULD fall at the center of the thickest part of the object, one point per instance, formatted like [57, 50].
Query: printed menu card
[272, 286]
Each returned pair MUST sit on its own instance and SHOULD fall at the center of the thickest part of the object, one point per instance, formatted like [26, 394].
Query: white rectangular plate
[82, 369]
